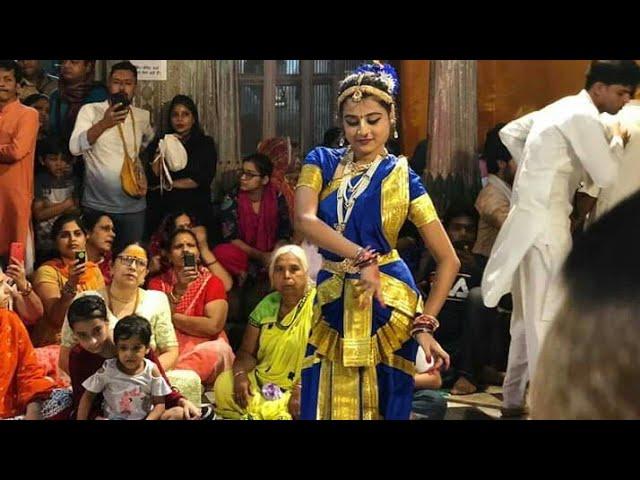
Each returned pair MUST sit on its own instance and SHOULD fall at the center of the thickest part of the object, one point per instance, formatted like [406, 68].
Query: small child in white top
[132, 386]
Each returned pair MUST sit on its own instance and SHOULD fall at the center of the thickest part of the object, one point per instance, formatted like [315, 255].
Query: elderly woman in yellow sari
[266, 372]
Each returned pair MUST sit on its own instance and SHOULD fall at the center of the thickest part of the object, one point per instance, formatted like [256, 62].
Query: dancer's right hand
[370, 282]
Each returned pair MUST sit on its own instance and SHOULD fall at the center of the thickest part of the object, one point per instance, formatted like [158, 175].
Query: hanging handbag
[132, 176]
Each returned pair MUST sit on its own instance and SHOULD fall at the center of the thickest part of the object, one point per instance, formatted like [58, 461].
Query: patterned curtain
[452, 172]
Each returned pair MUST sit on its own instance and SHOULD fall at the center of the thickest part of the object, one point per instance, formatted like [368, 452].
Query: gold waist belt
[357, 318]
[345, 266]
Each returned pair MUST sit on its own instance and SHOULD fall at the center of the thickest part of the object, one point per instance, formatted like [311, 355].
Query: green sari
[281, 349]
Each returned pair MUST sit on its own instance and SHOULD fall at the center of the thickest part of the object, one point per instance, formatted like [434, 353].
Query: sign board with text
[151, 69]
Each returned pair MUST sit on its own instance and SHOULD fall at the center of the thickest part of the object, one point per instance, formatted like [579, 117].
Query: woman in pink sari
[199, 309]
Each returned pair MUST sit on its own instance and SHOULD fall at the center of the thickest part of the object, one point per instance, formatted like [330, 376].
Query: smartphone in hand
[81, 256]
[16, 250]
[189, 260]
[120, 98]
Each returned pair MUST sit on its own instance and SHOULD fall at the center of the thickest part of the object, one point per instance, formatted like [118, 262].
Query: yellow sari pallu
[281, 349]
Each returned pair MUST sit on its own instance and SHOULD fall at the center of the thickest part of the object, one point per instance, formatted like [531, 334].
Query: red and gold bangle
[425, 323]
[418, 330]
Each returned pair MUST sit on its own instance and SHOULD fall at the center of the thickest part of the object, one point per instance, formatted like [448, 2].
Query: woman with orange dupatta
[57, 282]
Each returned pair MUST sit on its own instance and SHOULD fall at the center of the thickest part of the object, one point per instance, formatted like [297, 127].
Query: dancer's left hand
[432, 349]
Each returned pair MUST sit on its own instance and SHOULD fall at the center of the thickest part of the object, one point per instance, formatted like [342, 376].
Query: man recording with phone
[110, 135]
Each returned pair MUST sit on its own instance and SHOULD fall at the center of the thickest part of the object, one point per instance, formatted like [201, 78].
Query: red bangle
[426, 321]
[418, 330]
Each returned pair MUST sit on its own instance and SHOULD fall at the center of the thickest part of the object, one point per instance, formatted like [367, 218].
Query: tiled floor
[478, 406]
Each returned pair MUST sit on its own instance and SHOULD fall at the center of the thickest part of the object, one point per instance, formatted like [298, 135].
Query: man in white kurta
[554, 147]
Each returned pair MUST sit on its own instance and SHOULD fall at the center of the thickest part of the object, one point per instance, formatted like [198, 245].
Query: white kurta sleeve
[587, 138]
[588, 187]
[514, 135]
[78, 144]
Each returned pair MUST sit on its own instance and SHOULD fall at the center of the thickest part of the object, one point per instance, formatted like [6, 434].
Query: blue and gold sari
[360, 362]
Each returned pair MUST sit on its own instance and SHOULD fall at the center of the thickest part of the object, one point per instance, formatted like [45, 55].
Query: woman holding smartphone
[199, 308]
[22, 298]
[58, 281]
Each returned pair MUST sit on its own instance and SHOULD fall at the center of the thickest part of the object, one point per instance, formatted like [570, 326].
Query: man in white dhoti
[554, 147]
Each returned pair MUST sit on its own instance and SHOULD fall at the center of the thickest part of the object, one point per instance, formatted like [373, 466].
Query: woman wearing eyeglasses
[126, 297]
[254, 221]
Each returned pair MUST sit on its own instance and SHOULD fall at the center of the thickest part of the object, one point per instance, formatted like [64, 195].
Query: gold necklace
[135, 308]
[122, 300]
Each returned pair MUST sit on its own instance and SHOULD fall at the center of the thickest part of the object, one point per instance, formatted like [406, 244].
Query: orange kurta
[22, 378]
[18, 134]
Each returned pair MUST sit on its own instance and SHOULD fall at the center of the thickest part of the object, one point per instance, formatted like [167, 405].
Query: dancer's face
[366, 126]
